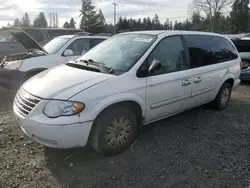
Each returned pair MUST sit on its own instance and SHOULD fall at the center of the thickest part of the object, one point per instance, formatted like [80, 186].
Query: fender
[99, 107]
[228, 75]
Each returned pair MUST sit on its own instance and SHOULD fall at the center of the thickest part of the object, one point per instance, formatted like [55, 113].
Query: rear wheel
[222, 99]
[114, 131]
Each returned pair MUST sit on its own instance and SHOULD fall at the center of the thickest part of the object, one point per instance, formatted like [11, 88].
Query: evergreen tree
[167, 24]
[72, 23]
[149, 25]
[25, 20]
[17, 23]
[187, 25]
[100, 22]
[156, 23]
[89, 16]
[144, 23]
[66, 25]
[240, 16]
[40, 21]
[196, 21]
[171, 27]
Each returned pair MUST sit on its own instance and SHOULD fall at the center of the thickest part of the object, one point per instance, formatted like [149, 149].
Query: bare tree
[211, 8]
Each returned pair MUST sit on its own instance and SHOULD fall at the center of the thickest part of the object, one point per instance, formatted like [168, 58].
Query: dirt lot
[198, 148]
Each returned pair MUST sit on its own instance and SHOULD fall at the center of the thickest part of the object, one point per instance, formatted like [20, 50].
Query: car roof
[172, 32]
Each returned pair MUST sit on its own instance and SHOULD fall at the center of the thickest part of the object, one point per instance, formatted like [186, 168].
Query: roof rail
[92, 34]
[103, 34]
[84, 33]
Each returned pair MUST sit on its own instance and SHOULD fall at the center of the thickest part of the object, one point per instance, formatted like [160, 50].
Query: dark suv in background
[243, 47]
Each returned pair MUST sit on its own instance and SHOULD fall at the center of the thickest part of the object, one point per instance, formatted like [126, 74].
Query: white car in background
[58, 51]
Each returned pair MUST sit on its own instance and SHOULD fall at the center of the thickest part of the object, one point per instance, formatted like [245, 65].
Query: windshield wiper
[92, 62]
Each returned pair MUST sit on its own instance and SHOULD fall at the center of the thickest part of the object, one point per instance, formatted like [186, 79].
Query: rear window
[208, 50]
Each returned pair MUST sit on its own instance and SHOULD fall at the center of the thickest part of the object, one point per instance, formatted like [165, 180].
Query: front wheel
[114, 131]
[222, 99]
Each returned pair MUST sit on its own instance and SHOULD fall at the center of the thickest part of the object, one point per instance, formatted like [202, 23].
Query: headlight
[56, 108]
[14, 65]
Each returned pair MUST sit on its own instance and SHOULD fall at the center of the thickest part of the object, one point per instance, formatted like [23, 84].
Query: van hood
[25, 39]
[63, 82]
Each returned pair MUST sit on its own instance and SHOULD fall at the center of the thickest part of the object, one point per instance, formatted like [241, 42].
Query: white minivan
[127, 81]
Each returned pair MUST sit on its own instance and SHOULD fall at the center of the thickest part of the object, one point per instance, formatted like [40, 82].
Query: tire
[223, 97]
[108, 129]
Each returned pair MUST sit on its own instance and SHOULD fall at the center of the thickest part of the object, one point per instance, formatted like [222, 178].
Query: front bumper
[56, 136]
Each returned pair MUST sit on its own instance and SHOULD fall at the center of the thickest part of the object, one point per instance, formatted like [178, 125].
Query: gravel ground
[198, 148]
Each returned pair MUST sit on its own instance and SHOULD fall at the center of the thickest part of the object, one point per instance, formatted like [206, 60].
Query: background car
[243, 46]
[10, 45]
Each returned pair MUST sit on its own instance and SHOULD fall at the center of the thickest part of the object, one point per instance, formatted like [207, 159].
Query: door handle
[197, 79]
[186, 82]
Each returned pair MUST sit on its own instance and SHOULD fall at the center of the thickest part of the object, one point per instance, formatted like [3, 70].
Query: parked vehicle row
[129, 80]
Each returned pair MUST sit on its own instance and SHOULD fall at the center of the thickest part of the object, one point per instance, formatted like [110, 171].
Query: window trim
[72, 43]
[186, 58]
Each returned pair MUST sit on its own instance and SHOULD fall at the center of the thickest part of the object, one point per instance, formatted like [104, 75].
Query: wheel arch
[132, 101]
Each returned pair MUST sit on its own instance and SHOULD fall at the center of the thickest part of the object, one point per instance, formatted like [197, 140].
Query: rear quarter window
[207, 50]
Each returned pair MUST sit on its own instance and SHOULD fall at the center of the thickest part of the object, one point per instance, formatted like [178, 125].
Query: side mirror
[68, 52]
[155, 64]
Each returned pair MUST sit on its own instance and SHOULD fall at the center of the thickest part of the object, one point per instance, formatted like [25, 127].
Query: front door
[169, 87]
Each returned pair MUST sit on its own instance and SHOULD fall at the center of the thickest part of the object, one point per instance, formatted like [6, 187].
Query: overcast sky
[173, 9]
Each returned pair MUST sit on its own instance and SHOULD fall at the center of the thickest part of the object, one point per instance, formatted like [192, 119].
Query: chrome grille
[25, 102]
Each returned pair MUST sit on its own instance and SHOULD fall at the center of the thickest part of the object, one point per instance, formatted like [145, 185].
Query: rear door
[210, 59]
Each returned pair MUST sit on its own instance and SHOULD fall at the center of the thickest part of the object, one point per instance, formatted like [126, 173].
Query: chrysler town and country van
[130, 80]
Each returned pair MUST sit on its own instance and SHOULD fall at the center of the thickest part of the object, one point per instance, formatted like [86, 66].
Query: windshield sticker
[143, 40]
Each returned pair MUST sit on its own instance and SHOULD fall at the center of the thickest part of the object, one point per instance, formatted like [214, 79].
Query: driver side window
[79, 46]
[170, 52]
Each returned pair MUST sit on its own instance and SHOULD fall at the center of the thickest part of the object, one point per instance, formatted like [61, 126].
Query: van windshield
[56, 44]
[121, 52]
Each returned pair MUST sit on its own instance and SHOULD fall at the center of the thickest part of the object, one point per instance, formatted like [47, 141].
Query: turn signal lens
[79, 107]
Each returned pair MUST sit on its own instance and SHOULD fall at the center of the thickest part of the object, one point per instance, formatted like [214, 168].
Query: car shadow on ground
[181, 150]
